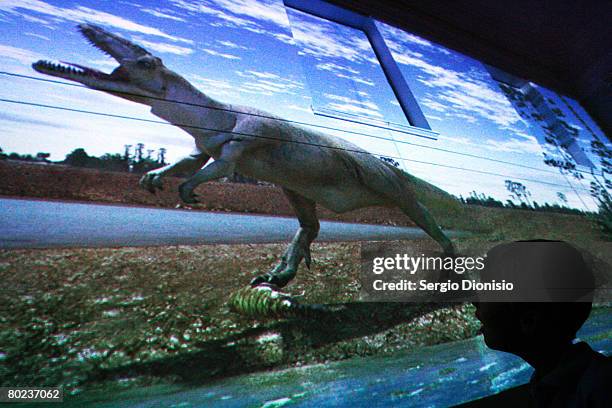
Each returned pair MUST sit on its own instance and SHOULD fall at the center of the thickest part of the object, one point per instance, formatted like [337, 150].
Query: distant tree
[78, 158]
[389, 160]
[2, 154]
[114, 162]
[601, 185]
[480, 199]
[518, 191]
[161, 156]
[562, 197]
[44, 157]
[127, 156]
[21, 157]
[139, 152]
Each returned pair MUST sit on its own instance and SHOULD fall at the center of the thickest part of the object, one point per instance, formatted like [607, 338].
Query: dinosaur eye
[145, 64]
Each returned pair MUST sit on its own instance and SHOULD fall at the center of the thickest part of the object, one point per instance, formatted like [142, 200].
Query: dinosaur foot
[278, 280]
[187, 195]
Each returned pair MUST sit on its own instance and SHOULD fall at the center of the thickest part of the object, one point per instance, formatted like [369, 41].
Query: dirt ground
[116, 318]
[39, 180]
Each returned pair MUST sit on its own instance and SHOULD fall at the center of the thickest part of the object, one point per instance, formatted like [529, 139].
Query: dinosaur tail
[446, 208]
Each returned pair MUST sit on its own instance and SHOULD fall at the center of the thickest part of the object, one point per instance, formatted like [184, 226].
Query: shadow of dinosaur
[311, 167]
[241, 353]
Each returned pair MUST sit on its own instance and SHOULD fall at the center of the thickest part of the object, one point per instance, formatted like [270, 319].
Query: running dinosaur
[309, 166]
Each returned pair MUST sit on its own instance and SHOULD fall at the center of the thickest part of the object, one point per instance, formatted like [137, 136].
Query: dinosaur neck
[192, 110]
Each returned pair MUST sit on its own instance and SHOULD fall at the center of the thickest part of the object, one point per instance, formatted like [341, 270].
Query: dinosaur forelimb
[152, 180]
[215, 170]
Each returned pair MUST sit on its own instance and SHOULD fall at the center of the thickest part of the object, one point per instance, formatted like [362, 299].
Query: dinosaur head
[139, 77]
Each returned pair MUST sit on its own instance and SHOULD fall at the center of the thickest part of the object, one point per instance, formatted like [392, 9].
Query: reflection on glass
[342, 70]
[477, 120]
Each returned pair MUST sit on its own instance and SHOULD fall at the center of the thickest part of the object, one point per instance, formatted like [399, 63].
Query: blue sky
[256, 53]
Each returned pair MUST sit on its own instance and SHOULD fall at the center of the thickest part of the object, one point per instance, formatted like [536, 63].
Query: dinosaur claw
[258, 280]
[269, 279]
[151, 183]
[187, 194]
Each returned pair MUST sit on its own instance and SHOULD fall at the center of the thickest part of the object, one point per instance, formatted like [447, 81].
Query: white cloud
[462, 93]
[103, 63]
[367, 104]
[434, 105]
[287, 39]
[267, 83]
[267, 87]
[468, 118]
[24, 56]
[258, 74]
[270, 11]
[402, 36]
[511, 145]
[165, 48]
[214, 87]
[36, 20]
[528, 145]
[161, 14]
[348, 108]
[220, 54]
[456, 140]
[299, 108]
[250, 15]
[466, 94]
[330, 66]
[356, 79]
[229, 44]
[83, 14]
[42, 37]
[318, 38]
[217, 84]
[353, 106]
[240, 13]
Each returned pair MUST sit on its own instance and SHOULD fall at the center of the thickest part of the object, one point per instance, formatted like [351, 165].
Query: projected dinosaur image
[310, 167]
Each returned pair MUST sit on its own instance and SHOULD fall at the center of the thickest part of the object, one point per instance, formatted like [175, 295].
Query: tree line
[134, 159]
[519, 193]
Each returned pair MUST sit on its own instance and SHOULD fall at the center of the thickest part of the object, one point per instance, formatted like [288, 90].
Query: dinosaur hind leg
[410, 206]
[299, 248]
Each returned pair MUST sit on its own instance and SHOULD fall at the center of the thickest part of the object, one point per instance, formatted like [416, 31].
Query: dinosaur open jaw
[116, 47]
[71, 71]
[121, 81]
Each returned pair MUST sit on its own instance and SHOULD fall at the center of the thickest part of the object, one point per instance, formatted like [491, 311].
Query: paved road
[44, 224]
[437, 376]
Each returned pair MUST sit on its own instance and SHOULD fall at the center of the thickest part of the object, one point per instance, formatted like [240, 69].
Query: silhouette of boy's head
[551, 300]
